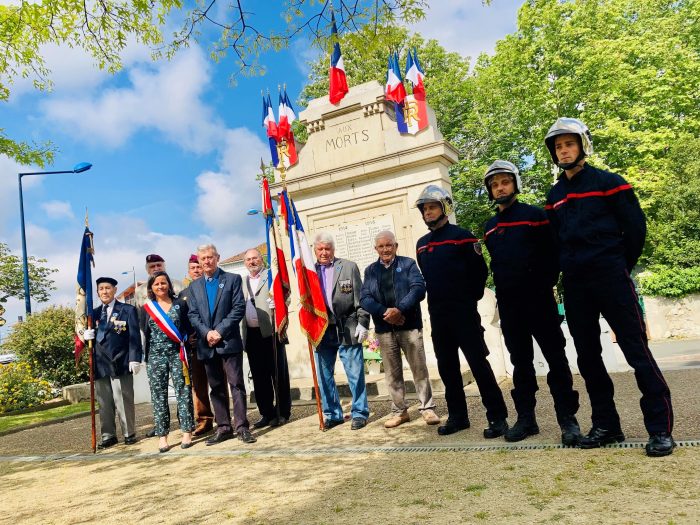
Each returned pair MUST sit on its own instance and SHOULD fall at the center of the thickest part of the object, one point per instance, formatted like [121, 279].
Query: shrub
[45, 341]
[19, 389]
[669, 282]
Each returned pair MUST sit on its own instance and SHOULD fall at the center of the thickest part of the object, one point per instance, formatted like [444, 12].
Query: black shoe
[262, 422]
[151, 433]
[570, 431]
[130, 440]
[358, 423]
[597, 437]
[187, 445]
[279, 421]
[245, 436]
[106, 443]
[496, 429]
[218, 437]
[525, 426]
[660, 445]
[330, 423]
[163, 450]
[450, 427]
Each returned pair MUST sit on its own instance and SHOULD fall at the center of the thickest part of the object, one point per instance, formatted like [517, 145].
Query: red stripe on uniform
[432, 245]
[516, 223]
[606, 193]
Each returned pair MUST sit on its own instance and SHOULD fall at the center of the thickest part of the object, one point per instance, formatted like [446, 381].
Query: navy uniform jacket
[599, 224]
[122, 343]
[229, 309]
[522, 247]
[409, 291]
[453, 267]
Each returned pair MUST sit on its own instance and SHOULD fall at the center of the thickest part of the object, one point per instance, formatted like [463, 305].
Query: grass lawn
[20, 420]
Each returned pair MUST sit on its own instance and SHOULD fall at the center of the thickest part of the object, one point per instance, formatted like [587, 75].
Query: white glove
[270, 303]
[134, 367]
[361, 333]
[89, 334]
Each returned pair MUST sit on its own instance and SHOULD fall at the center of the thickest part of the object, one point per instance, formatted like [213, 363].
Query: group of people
[592, 231]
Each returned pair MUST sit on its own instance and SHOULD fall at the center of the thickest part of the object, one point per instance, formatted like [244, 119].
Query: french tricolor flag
[415, 74]
[395, 89]
[338, 82]
[268, 122]
[284, 128]
[412, 113]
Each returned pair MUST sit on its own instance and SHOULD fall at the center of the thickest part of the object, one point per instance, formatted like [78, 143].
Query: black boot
[496, 429]
[525, 426]
[570, 431]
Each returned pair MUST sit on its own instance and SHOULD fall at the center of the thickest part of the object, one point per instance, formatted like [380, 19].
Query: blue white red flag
[83, 302]
[395, 89]
[284, 129]
[412, 114]
[268, 122]
[338, 82]
[313, 317]
[415, 74]
[167, 325]
[278, 275]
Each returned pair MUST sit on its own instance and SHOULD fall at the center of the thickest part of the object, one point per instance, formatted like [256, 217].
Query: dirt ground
[295, 474]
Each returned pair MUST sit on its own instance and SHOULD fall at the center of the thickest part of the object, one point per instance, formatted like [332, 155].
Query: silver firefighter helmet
[569, 126]
[502, 166]
[433, 193]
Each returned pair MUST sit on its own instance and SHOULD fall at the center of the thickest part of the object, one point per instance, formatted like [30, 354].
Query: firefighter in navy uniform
[525, 269]
[455, 274]
[600, 230]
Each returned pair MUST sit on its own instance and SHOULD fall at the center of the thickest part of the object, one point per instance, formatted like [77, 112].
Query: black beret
[107, 280]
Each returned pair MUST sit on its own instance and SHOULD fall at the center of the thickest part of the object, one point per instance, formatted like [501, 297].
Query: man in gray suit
[117, 356]
[268, 364]
[216, 308]
[347, 329]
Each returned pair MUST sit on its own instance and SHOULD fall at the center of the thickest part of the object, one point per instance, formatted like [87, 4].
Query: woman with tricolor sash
[165, 326]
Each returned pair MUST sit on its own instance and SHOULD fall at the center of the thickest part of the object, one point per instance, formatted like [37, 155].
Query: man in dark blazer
[117, 356]
[347, 329]
[217, 307]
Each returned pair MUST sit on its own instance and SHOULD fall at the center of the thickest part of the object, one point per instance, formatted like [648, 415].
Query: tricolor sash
[166, 324]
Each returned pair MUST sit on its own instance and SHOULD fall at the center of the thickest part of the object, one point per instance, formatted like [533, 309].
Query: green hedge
[669, 282]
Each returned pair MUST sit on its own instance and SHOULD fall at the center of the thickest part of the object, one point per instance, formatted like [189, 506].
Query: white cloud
[58, 209]
[165, 96]
[469, 28]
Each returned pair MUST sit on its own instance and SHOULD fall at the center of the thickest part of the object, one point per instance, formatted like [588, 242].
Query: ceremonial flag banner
[338, 82]
[270, 126]
[278, 275]
[313, 317]
[414, 73]
[412, 114]
[284, 130]
[83, 301]
[395, 89]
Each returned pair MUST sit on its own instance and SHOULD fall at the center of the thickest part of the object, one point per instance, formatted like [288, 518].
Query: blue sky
[174, 147]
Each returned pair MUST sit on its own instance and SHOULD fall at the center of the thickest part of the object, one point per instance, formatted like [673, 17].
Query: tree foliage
[12, 277]
[45, 341]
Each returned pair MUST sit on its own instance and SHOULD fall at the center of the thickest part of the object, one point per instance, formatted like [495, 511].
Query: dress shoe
[450, 427]
[330, 423]
[262, 422]
[245, 436]
[496, 429]
[203, 428]
[162, 450]
[358, 423]
[279, 421]
[525, 426]
[106, 443]
[151, 433]
[430, 417]
[597, 437]
[397, 419]
[218, 437]
[130, 440]
[660, 444]
[570, 431]
[186, 445]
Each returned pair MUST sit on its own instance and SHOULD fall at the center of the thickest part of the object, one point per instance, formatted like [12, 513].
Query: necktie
[102, 328]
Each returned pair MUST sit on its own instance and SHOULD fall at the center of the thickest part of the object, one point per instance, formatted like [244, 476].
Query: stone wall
[679, 318]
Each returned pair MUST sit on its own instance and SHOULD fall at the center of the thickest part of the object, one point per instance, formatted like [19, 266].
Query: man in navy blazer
[117, 356]
[217, 307]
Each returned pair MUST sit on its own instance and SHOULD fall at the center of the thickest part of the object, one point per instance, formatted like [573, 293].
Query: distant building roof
[262, 248]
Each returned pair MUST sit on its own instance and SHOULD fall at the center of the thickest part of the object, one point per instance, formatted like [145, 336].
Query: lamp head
[81, 167]
[253, 211]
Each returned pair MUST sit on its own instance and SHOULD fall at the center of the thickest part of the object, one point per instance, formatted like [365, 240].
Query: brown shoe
[397, 420]
[430, 417]
[203, 428]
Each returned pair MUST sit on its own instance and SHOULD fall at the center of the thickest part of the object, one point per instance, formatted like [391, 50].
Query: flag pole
[93, 427]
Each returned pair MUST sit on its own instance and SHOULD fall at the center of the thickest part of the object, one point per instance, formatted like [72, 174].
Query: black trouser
[460, 327]
[527, 313]
[262, 368]
[615, 297]
[224, 372]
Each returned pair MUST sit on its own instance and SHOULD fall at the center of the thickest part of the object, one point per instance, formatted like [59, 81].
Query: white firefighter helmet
[433, 193]
[502, 166]
[569, 126]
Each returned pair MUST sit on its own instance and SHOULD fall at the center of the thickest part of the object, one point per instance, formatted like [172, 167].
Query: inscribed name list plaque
[354, 240]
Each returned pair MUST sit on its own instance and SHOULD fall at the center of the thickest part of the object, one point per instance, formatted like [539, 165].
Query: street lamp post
[132, 271]
[78, 168]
